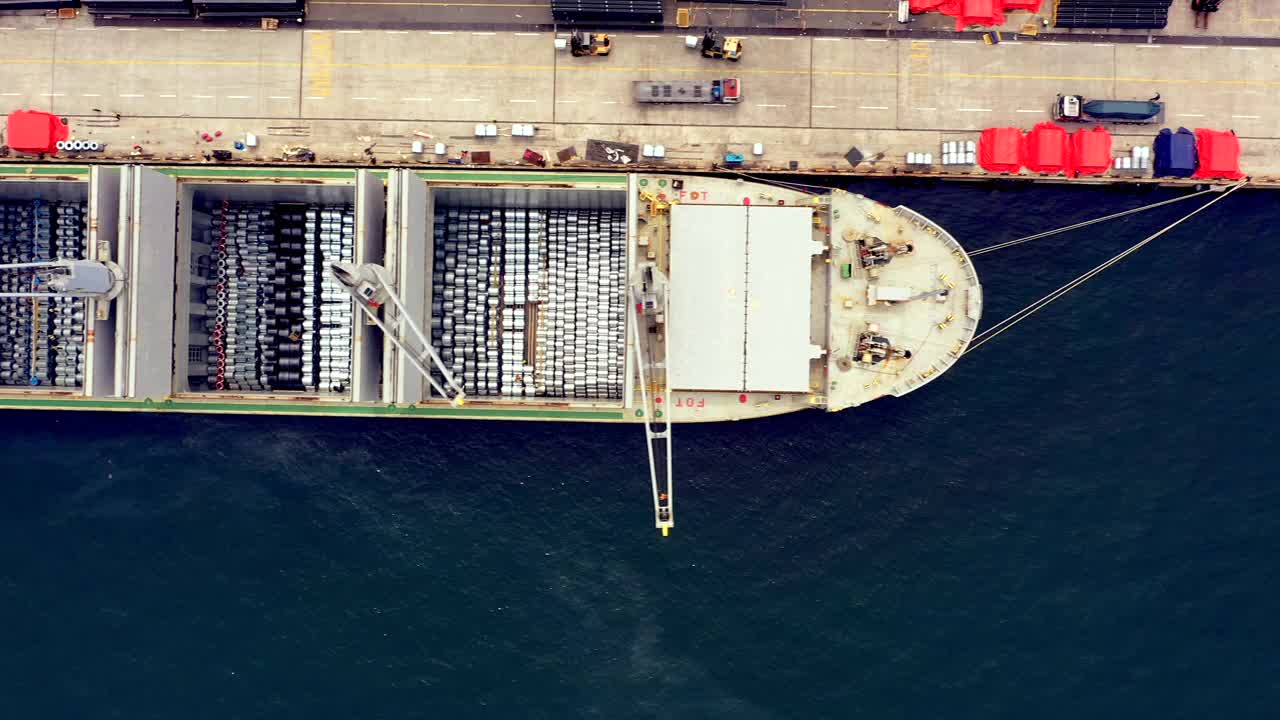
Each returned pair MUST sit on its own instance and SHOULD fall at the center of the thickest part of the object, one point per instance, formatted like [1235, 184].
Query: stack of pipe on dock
[276, 321]
[41, 339]
[530, 302]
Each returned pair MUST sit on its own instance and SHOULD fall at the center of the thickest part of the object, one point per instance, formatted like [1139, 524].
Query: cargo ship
[636, 297]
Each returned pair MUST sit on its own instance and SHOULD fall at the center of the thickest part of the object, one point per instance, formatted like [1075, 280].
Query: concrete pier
[364, 95]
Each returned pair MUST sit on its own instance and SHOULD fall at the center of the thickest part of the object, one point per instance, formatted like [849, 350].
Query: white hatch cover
[740, 298]
[706, 324]
[780, 250]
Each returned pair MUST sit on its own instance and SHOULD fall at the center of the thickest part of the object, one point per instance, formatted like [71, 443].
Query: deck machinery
[644, 298]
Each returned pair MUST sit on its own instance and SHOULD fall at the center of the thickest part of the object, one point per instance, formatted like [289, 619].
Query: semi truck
[725, 91]
[1077, 108]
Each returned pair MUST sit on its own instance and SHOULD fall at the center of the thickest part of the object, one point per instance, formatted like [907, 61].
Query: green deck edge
[520, 177]
[345, 174]
[266, 172]
[281, 409]
[43, 170]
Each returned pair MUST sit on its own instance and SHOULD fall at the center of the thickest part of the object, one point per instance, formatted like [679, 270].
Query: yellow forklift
[715, 45]
[581, 43]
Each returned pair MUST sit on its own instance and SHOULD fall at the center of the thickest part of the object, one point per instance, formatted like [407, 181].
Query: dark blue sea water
[1079, 520]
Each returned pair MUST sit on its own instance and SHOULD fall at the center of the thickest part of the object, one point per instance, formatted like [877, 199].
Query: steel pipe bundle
[531, 303]
[275, 322]
[41, 340]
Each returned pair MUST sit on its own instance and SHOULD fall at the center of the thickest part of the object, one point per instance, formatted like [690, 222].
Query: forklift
[715, 45]
[581, 43]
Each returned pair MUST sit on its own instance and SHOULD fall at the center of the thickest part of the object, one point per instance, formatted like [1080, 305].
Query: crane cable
[1047, 233]
[992, 332]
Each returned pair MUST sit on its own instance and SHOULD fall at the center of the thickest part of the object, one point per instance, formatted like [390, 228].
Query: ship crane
[370, 286]
[89, 279]
[649, 305]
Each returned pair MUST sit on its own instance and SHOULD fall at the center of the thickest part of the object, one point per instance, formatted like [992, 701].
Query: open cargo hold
[73, 346]
[1218, 153]
[523, 289]
[45, 344]
[257, 311]
[1000, 150]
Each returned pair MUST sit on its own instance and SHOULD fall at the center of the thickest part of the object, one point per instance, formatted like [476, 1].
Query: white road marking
[1101, 44]
[397, 32]
[127, 29]
[647, 37]
[348, 32]
[46, 29]
[973, 109]
[1058, 44]
[484, 33]
[608, 102]
[50, 94]
[965, 42]
[1190, 115]
[313, 97]
[1010, 42]
[416, 99]
[824, 107]
[466, 99]
[314, 31]
[1249, 49]
[10, 94]
[439, 32]
[1247, 117]
[90, 95]
[769, 105]
[1147, 47]
[174, 30]
[782, 38]
[523, 101]
[886, 40]
[924, 41]
[239, 97]
[131, 95]
[872, 107]
[274, 97]
[830, 39]
[222, 30]
[202, 97]
[526, 34]
[364, 98]
[1029, 111]
[8, 28]
[168, 96]
[1194, 47]
[927, 109]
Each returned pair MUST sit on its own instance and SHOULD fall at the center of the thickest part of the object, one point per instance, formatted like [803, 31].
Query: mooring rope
[995, 330]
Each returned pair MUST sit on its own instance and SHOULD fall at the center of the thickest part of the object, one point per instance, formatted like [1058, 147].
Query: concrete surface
[807, 98]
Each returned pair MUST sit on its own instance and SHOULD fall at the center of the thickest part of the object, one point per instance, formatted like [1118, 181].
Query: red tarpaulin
[1090, 152]
[1219, 154]
[999, 150]
[974, 12]
[978, 12]
[1045, 149]
[32, 131]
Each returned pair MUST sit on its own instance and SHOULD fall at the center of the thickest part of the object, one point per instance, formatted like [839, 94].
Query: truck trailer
[1077, 108]
[726, 91]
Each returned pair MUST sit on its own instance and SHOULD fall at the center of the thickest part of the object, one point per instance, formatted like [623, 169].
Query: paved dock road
[796, 86]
